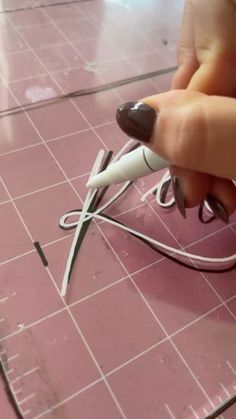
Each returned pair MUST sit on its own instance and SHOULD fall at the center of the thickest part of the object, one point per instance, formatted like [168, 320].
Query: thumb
[189, 129]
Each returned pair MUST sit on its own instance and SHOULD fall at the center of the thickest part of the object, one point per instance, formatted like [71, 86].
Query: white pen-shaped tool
[133, 165]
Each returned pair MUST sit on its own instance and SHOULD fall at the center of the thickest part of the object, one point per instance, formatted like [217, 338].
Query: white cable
[89, 197]
[64, 217]
[170, 249]
[149, 192]
[206, 205]
[63, 220]
[158, 187]
[88, 216]
[85, 216]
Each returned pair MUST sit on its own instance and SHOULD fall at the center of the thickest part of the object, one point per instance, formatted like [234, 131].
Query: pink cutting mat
[137, 336]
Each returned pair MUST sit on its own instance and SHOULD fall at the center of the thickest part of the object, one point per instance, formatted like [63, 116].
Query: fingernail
[178, 195]
[136, 119]
[217, 208]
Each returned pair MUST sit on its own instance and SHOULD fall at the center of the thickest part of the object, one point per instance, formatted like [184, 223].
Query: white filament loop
[84, 216]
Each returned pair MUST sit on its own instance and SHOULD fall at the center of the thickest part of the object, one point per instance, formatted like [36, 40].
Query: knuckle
[184, 55]
[192, 132]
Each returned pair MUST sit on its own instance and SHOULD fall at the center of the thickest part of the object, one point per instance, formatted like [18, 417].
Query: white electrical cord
[84, 216]
[87, 202]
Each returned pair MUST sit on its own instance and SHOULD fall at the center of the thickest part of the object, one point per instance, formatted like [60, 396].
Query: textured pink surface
[136, 336]
[140, 388]
[34, 89]
[3, 194]
[34, 169]
[206, 354]
[14, 70]
[51, 125]
[60, 57]
[16, 132]
[6, 98]
[95, 402]
[11, 227]
[42, 208]
[5, 405]
[98, 276]
[176, 298]
[117, 324]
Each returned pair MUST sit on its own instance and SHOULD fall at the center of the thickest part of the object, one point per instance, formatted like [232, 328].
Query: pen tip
[89, 184]
[98, 181]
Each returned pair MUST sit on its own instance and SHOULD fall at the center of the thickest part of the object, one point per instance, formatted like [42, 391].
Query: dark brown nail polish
[178, 195]
[217, 208]
[136, 119]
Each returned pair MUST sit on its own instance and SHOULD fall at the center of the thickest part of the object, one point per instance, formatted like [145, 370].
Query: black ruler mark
[40, 253]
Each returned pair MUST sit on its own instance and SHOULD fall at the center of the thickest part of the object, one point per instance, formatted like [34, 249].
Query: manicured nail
[136, 119]
[178, 195]
[217, 208]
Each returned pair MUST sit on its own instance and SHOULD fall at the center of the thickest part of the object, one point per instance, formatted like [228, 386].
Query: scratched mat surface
[50, 51]
[136, 336]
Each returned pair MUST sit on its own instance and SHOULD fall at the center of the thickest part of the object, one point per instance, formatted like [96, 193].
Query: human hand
[207, 63]
[196, 133]
[207, 48]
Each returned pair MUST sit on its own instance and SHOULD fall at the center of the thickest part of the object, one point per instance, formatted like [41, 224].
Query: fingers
[197, 186]
[206, 52]
[187, 61]
[184, 73]
[216, 76]
[225, 191]
[195, 131]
